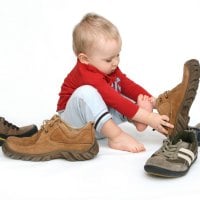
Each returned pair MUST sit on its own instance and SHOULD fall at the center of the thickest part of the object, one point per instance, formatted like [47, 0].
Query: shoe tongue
[184, 144]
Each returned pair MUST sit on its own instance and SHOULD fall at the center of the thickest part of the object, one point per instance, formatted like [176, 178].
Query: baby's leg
[144, 102]
[86, 105]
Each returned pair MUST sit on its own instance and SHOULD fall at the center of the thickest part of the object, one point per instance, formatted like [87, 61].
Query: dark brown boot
[54, 140]
[8, 129]
[176, 103]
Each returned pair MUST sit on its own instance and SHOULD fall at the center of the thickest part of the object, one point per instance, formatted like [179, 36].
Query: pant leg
[85, 105]
[117, 117]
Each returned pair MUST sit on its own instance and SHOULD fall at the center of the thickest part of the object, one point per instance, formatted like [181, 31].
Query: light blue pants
[86, 104]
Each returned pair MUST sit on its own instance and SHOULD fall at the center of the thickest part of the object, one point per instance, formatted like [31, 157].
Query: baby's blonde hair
[90, 29]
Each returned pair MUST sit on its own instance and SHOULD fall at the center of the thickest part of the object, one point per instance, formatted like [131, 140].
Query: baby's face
[105, 55]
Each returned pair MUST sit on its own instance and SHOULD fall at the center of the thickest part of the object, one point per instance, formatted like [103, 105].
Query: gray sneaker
[8, 129]
[175, 157]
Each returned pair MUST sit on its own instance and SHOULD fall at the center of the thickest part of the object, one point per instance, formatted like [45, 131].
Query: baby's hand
[159, 122]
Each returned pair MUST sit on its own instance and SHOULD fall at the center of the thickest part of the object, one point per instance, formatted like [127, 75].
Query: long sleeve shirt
[114, 88]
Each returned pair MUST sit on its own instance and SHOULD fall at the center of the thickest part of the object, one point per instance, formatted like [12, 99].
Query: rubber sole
[29, 133]
[161, 172]
[68, 155]
[182, 118]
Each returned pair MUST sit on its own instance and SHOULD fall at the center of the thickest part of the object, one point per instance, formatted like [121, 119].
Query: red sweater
[112, 87]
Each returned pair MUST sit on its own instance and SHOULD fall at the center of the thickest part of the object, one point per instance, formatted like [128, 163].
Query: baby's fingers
[165, 118]
[167, 124]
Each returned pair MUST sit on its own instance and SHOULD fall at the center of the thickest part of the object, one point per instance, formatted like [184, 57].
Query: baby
[97, 90]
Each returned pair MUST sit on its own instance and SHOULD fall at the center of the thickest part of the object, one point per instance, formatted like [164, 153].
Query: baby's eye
[108, 60]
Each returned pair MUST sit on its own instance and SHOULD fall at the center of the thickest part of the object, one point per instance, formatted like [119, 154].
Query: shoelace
[170, 150]
[8, 124]
[165, 94]
[49, 123]
[46, 125]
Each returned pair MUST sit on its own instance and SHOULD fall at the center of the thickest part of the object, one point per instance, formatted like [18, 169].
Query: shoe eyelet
[166, 95]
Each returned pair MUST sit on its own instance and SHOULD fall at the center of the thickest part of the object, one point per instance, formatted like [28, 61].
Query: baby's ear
[83, 58]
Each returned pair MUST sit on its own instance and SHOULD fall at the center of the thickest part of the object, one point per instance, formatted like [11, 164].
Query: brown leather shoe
[8, 129]
[176, 103]
[54, 140]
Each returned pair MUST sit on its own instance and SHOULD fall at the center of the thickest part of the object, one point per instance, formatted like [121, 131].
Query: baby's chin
[111, 72]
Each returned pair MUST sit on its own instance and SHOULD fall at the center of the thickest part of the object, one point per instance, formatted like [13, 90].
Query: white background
[159, 36]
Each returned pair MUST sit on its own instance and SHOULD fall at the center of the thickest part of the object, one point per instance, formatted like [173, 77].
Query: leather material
[53, 139]
[176, 102]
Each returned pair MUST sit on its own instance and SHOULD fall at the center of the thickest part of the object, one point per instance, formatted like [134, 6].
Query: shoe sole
[3, 137]
[68, 155]
[158, 171]
[182, 118]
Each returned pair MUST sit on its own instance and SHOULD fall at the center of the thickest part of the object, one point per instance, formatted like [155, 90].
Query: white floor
[36, 55]
[111, 175]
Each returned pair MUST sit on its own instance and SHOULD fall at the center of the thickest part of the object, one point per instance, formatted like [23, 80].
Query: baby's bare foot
[144, 102]
[125, 142]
